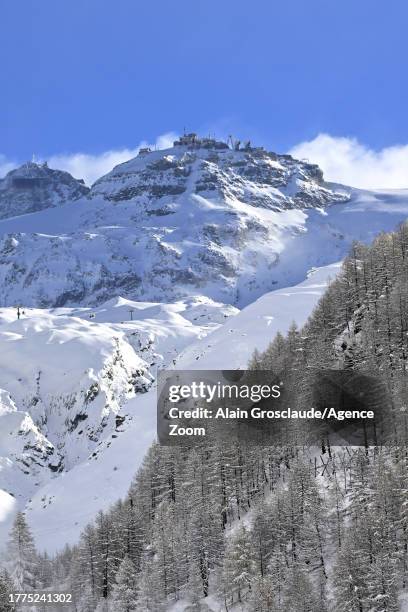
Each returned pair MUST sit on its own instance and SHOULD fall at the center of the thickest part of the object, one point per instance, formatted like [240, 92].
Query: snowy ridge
[66, 380]
[158, 331]
[34, 187]
[69, 376]
[168, 225]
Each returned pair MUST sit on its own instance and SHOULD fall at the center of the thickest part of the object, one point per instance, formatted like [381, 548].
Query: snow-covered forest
[277, 529]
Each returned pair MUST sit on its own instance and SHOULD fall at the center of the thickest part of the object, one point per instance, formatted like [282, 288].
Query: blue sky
[92, 76]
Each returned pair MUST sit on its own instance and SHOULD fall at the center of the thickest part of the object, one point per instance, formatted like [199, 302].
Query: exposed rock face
[66, 380]
[252, 175]
[199, 218]
[34, 187]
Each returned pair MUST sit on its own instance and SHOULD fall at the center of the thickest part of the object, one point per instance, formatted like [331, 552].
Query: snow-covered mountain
[199, 218]
[143, 270]
[34, 187]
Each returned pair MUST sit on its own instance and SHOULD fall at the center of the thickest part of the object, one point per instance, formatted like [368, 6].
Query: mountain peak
[216, 169]
[203, 217]
[34, 186]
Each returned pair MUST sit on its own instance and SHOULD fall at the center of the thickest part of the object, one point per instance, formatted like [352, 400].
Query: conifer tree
[238, 568]
[150, 597]
[125, 591]
[21, 555]
[6, 589]
[262, 597]
[350, 575]
[299, 591]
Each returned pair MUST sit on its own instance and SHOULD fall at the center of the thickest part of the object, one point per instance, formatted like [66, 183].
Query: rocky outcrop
[34, 187]
[199, 218]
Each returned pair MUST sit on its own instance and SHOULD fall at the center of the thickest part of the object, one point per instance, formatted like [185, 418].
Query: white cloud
[346, 160]
[91, 167]
[5, 165]
[343, 160]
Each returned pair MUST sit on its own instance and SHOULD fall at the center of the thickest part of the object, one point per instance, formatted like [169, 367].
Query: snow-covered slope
[66, 380]
[34, 187]
[232, 345]
[158, 332]
[61, 507]
[190, 220]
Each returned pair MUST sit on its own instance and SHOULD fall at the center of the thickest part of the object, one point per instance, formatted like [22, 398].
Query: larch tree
[21, 556]
[125, 590]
